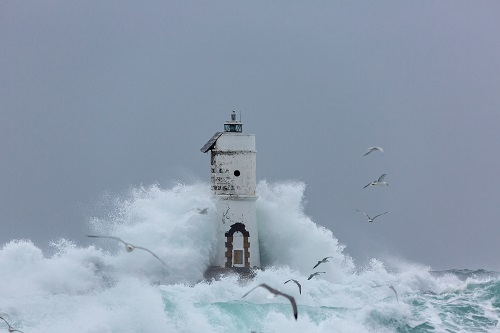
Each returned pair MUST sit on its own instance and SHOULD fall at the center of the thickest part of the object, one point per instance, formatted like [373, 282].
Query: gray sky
[100, 96]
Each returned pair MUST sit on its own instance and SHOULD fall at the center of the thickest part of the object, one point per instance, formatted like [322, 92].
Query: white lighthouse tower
[233, 181]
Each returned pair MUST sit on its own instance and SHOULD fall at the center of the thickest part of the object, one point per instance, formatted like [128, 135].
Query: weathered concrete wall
[233, 181]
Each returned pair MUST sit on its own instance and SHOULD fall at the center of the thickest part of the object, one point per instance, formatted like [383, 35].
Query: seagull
[297, 283]
[278, 293]
[321, 261]
[130, 247]
[314, 274]
[202, 211]
[379, 182]
[371, 149]
[391, 287]
[11, 329]
[370, 219]
[395, 292]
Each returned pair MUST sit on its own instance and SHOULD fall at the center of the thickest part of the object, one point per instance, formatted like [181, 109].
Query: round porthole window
[237, 173]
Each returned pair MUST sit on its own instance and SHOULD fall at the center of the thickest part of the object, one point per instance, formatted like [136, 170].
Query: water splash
[103, 288]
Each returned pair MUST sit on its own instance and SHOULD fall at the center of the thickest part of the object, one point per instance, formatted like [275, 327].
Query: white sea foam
[103, 288]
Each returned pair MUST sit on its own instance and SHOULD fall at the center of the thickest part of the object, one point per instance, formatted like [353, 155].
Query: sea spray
[290, 238]
[102, 288]
[167, 223]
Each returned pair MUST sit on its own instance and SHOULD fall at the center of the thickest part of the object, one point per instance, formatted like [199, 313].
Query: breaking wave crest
[102, 288]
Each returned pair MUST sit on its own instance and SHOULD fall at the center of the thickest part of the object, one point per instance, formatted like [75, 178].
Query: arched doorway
[238, 255]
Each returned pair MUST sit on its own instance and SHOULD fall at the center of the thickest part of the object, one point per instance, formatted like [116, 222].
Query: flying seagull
[278, 293]
[314, 274]
[10, 328]
[202, 211]
[370, 219]
[379, 182]
[130, 247]
[372, 149]
[395, 292]
[322, 261]
[297, 283]
[391, 287]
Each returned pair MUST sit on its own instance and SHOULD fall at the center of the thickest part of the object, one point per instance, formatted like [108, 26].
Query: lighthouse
[233, 183]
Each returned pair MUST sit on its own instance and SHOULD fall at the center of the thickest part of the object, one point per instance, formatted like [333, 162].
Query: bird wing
[371, 149]
[292, 301]
[395, 292]
[314, 274]
[378, 215]
[277, 292]
[367, 185]
[143, 248]
[10, 329]
[363, 213]
[381, 178]
[248, 292]
[319, 262]
[298, 284]
[376, 148]
[5, 321]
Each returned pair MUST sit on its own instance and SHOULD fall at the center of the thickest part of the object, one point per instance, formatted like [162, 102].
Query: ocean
[102, 288]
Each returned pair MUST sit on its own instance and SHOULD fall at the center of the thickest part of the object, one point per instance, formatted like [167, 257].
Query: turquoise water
[102, 288]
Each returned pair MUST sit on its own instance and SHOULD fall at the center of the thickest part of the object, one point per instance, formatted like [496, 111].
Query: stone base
[216, 273]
